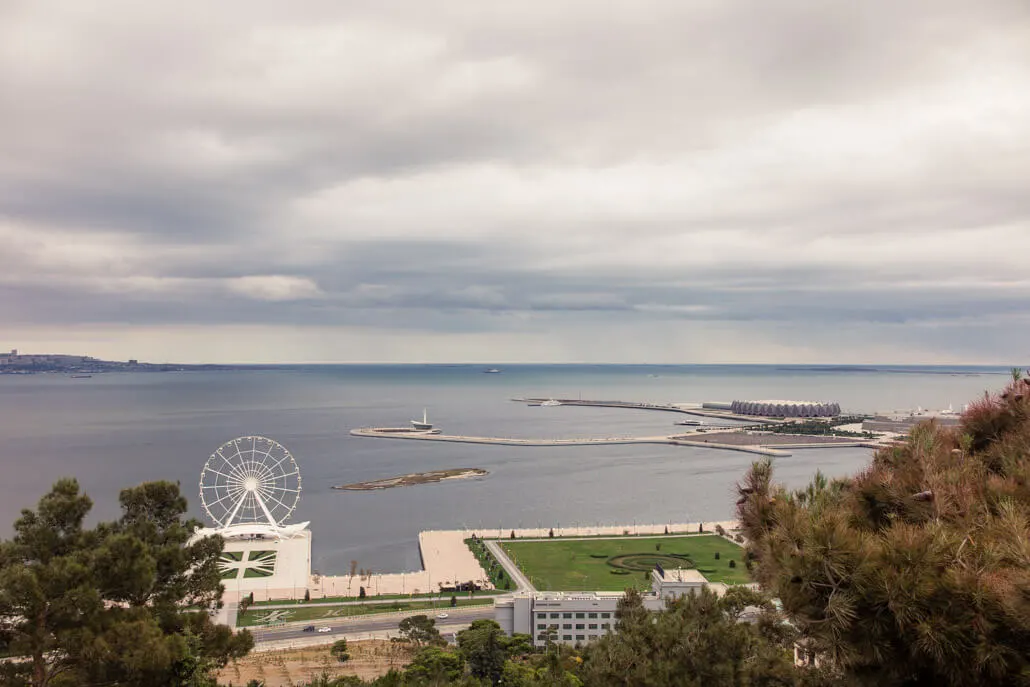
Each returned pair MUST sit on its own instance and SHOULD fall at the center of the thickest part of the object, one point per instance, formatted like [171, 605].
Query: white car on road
[441, 616]
[325, 629]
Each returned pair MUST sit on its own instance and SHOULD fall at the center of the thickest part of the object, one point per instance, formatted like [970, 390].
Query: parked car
[325, 629]
[441, 616]
[309, 628]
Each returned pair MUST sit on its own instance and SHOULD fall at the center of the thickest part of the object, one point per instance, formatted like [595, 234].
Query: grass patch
[321, 614]
[257, 572]
[445, 596]
[571, 565]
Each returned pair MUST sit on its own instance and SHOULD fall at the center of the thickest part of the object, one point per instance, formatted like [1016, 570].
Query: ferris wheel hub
[250, 484]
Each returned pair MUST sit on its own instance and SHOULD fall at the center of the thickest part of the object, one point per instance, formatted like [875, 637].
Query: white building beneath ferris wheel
[249, 488]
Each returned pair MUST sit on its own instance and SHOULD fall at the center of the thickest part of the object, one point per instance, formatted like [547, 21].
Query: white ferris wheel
[250, 481]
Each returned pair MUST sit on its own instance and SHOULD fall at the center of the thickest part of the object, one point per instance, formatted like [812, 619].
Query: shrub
[513, 534]
[720, 531]
[657, 547]
[454, 600]
[717, 556]
[361, 592]
[739, 538]
[551, 533]
[733, 563]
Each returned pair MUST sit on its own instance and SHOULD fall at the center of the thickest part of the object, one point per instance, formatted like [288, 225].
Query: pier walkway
[682, 408]
[679, 440]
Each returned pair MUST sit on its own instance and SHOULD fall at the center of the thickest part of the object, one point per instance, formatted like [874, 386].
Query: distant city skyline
[662, 182]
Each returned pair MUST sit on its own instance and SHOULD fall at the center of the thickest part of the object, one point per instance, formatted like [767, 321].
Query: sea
[115, 430]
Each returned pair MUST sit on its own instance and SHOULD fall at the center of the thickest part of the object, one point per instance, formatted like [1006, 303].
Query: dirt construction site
[291, 667]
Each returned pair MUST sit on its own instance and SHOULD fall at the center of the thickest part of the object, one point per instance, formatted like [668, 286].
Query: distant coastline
[15, 363]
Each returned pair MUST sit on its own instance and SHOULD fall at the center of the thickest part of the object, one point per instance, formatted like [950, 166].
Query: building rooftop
[684, 575]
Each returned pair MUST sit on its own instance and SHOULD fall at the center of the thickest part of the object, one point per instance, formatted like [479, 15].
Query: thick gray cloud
[646, 182]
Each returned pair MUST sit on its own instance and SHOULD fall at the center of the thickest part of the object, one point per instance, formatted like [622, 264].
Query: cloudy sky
[663, 182]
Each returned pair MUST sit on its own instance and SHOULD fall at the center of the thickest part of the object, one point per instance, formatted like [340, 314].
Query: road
[363, 625]
[522, 582]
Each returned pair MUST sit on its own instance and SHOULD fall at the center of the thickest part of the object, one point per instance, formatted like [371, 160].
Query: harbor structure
[784, 408]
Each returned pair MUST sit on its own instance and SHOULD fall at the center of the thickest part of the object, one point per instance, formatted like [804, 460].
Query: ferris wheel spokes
[250, 481]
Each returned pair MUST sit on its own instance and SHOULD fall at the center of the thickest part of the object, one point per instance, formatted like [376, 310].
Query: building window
[579, 615]
[606, 615]
[580, 637]
[605, 626]
[541, 637]
[541, 627]
[566, 615]
[593, 626]
[554, 615]
[592, 615]
[566, 638]
[541, 616]
[579, 626]
[567, 626]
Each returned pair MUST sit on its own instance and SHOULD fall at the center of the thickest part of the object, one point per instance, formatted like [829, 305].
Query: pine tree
[917, 570]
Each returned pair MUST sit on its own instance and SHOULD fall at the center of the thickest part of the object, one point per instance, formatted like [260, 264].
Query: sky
[682, 181]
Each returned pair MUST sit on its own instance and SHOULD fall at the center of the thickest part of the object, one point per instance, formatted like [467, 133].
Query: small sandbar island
[415, 478]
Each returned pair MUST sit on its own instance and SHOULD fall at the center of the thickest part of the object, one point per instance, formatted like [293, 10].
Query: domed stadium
[786, 408]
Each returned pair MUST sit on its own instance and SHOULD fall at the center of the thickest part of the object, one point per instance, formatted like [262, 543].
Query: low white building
[579, 617]
[271, 565]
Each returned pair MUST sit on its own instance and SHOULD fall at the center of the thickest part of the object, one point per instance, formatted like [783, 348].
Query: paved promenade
[677, 440]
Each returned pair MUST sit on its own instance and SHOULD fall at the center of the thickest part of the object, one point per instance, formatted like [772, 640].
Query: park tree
[419, 630]
[917, 570]
[698, 641]
[49, 603]
[124, 603]
[435, 666]
[486, 648]
[339, 651]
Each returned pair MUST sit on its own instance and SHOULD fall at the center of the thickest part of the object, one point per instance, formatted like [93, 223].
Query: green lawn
[317, 614]
[444, 596]
[583, 565]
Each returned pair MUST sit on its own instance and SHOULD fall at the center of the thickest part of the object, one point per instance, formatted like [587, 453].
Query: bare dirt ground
[291, 667]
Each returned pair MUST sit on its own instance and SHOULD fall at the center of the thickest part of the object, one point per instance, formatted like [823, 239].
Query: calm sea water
[116, 430]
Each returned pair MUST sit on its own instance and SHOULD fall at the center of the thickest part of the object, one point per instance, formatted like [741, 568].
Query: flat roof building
[780, 408]
[580, 617]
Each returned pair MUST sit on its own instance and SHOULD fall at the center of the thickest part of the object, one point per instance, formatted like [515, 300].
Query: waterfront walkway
[678, 440]
[682, 408]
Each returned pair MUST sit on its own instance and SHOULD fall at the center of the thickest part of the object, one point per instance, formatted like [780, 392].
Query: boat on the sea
[82, 376]
[492, 371]
[424, 425]
[550, 403]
